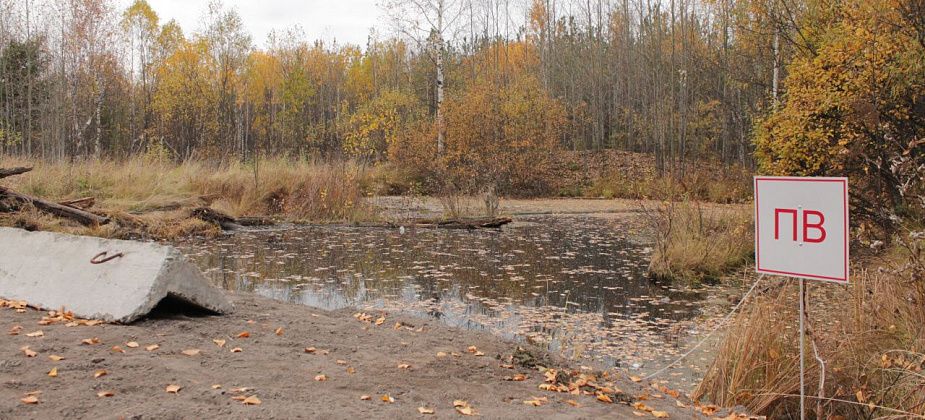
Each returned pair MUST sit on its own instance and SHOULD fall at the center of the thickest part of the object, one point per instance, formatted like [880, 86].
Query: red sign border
[844, 182]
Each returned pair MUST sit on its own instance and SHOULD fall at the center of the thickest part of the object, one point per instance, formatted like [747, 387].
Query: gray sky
[349, 21]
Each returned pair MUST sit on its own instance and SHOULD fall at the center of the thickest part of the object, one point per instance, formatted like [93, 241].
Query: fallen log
[482, 223]
[80, 203]
[207, 214]
[83, 217]
[5, 172]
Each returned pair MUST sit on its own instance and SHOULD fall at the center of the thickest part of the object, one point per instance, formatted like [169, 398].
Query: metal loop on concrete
[102, 258]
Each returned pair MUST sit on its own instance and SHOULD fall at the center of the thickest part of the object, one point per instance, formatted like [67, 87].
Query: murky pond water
[576, 284]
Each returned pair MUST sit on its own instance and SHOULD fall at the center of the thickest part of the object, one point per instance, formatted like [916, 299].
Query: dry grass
[715, 184]
[154, 197]
[696, 242]
[871, 336]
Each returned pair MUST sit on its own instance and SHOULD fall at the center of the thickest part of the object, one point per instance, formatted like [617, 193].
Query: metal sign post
[801, 231]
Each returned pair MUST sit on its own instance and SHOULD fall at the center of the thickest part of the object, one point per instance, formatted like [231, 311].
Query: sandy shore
[401, 364]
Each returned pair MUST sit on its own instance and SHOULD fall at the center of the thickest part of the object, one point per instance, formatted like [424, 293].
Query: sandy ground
[416, 362]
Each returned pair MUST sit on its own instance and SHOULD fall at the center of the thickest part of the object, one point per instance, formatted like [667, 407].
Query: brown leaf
[380, 320]
[252, 400]
[90, 341]
[351, 370]
[219, 342]
[321, 378]
[117, 349]
[131, 344]
[279, 331]
[572, 403]
[38, 333]
[15, 330]
[105, 394]
[635, 379]
[365, 397]
[387, 399]
[536, 401]
[53, 372]
[604, 398]
[191, 352]
[100, 373]
[173, 389]
[31, 399]
[28, 352]
[55, 358]
[404, 366]
[244, 334]
[216, 386]
[425, 410]
[237, 350]
[660, 414]
[310, 349]
[152, 347]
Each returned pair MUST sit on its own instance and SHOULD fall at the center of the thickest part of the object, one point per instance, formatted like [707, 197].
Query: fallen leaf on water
[28, 352]
[191, 352]
[219, 342]
[244, 334]
[387, 399]
[131, 344]
[660, 414]
[38, 333]
[53, 372]
[32, 399]
[173, 389]
[365, 397]
[279, 331]
[635, 379]
[100, 373]
[321, 378]
[425, 410]
[152, 347]
[252, 400]
[103, 394]
[55, 358]
[90, 341]
[237, 350]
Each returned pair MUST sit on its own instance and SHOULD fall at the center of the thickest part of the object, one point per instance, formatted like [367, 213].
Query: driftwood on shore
[228, 222]
[67, 212]
[480, 223]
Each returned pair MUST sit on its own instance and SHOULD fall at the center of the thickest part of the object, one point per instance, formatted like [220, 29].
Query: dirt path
[416, 362]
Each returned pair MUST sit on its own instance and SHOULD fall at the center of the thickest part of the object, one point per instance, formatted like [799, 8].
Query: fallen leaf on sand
[536, 401]
[131, 344]
[219, 342]
[191, 352]
[32, 399]
[341, 362]
[216, 386]
[100, 373]
[321, 378]
[244, 334]
[237, 350]
[604, 398]
[103, 394]
[53, 372]
[680, 404]
[404, 366]
[365, 397]
[279, 331]
[425, 410]
[380, 320]
[173, 389]
[635, 379]
[90, 341]
[660, 414]
[463, 408]
[472, 349]
[38, 333]
[572, 403]
[152, 347]
[28, 352]
[15, 330]
[310, 349]
[55, 358]
[387, 399]
[640, 413]
[441, 354]
[117, 349]
[520, 377]
[252, 400]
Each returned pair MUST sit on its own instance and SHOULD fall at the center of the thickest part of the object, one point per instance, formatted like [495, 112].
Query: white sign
[801, 227]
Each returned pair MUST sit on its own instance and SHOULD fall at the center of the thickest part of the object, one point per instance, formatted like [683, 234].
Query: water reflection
[576, 284]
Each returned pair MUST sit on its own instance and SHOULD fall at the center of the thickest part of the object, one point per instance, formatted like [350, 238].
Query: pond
[574, 284]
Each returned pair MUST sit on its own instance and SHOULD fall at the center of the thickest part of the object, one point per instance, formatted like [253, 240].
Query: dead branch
[83, 217]
[5, 172]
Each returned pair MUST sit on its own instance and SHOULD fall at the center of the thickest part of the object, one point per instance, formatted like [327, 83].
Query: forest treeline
[482, 87]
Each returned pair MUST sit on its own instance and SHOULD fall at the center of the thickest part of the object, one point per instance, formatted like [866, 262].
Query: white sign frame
[806, 197]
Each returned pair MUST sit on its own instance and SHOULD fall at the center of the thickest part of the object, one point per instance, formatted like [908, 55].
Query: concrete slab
[54, 271]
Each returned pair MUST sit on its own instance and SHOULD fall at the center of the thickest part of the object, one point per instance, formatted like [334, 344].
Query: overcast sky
[348, 21]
